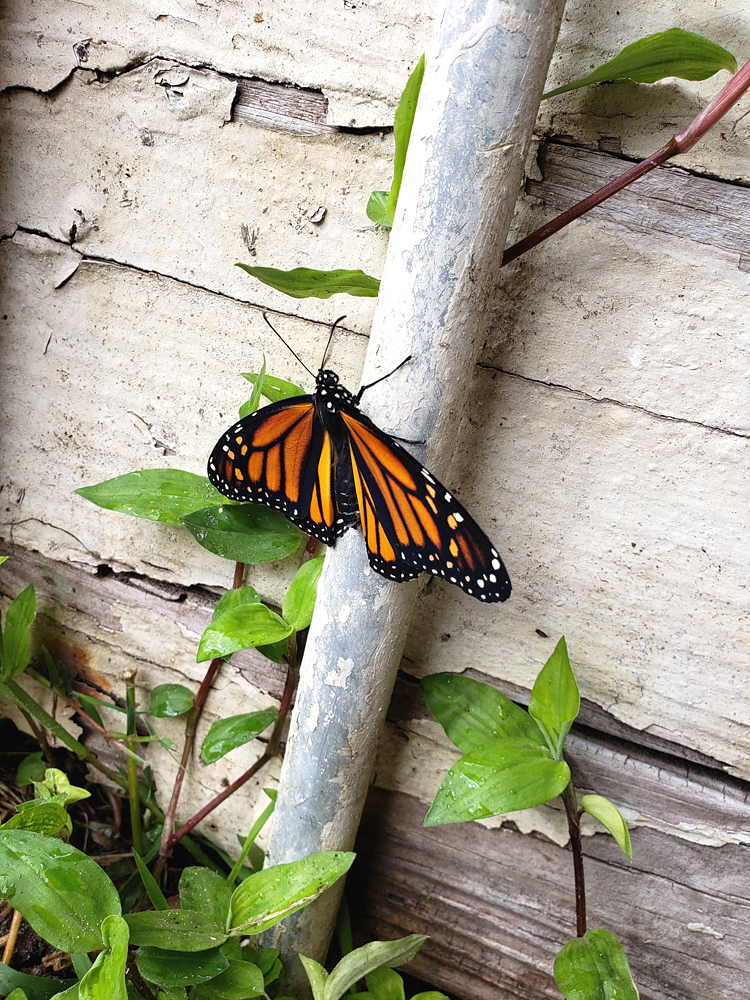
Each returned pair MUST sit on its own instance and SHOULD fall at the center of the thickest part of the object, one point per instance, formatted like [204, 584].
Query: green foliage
[274, 389]
[361, 963]
[305, 282]
[555, 700]
[611, 818]
[237, 730]
[402, 126]
[56, 787]
[241, 628]
[175, 930]
[32, 987]
[594, 967]
[62, 893]
[180, 968]
[206, 892]
[165, 495]
[249, 848]
[151, 885]
[299, 601]
[30, 769]
[250, 533]
[105, 980]
[376, 208]
[48, 818]
[170, 700]
[15, 644]
[236, 598]
[668, 53]
[239, 981]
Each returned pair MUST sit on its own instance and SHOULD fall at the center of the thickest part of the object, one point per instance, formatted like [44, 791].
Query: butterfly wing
[411, 523]
[283, 457]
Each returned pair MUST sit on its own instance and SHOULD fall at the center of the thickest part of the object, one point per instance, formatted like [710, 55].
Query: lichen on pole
[484, 75]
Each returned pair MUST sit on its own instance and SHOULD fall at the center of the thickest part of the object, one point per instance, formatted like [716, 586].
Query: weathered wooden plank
[498, 905]
[170, 181]
[281, 108]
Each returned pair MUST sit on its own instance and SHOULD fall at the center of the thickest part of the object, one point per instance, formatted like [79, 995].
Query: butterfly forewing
[411, 523]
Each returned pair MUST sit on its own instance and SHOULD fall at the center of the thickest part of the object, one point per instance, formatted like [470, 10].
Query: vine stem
[272, 750]
[191, 726]
[679, 143]
[10, 944]
[574, 826]
[132, 743]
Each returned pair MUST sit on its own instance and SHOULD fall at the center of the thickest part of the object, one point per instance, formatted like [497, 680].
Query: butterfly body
[325, 465]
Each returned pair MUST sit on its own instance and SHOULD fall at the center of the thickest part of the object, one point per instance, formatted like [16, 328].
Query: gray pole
[484, 75]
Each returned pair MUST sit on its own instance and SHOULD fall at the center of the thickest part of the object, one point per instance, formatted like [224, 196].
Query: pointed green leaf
[555, 699]
[56, 783]
[180, 968]
[402, 126]
[316, 975]
[277, 652]
[151, 885]
[156, 494]
[3, 558]
[48, 818]
[175, 930]
[611, 818]
[500, 777]
[32, 987]
[63, 894]
[105, 980]
[385, 984]
[30, 769]
[267, 896]
[206, 892]
[250, 533]
[235, 598]
[594, 967]
[16, 647]
[242, 628]
[274, 388]
[253, 403]
[668, 53]
[17, 994]
[376, 211]
[235, 731]
[473, 713]
[239, 981]
[300, 598]
[170, 700]
[362, 961]
[305, 282]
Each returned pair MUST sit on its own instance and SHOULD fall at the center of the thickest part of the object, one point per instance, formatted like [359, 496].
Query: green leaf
[228, 734]
[206, 892]
[3, 558]
[157, 494]
[317, 976]
[278, 652]
[611, 818]
[668, 53]
[170, 700]
[30, 769]
[254, 402]
[305, 282]
[402, 125]
[430, 995]
[594, 967]
[300, 598]
[105, 980]
[500, 777]
[473, 713]
[175, 930]
[385, 984]
[48, 818]
[362, 961]
[240, 981]
[180, 968]
[376, 210]
[56, 783]
[236, 598]
[267, 896]
[555, 699]
[252, 625]
[274, 388]
[250, 533]
[63, 894]
[17, 994]
[152, 886]
[32, 987]
[16, 648]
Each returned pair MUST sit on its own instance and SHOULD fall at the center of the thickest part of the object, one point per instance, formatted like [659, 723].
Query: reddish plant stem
[574, 827]
[679, 143]
[191, 725]
[272, 750]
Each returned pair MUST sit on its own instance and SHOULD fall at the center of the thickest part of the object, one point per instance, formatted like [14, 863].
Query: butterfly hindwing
[411, 523]
[281, 456]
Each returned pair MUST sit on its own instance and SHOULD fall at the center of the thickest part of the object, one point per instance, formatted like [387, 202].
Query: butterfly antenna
[330, 338]
[290, 349]
[381, 379]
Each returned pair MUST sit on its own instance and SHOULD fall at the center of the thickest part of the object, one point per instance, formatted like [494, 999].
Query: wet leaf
[473, 713]
[105, 980]
[611, 818]
[300, 598]
[555, 700]
[385, 984]
[402, 126]
[363, 961]
[503, 776]
[235, 598]
[175, 930]
[242, 628]
[170, 700]
[156, 494]
[240, 981]
[32, 987]
[667, 53]
[48, 818]
[205, 892]
[305, 282]
[250, 533]
[180, 968]
[228, 734]
[594, 967]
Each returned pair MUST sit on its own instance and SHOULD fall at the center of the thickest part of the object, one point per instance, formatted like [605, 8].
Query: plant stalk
[10, 944]
[191, 726]
[679, 143]
[135, 803]
[574, 827]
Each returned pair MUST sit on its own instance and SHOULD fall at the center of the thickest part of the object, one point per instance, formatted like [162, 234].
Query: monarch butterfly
[321, 462]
